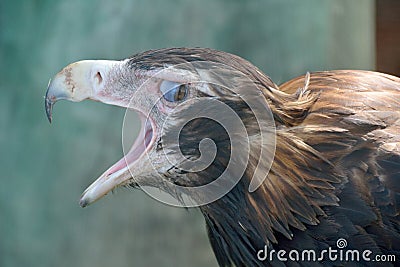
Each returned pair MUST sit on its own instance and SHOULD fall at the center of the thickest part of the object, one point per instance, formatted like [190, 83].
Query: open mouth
[140, 146]
[119, 173]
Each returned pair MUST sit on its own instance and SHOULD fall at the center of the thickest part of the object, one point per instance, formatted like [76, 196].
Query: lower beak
[102, 186]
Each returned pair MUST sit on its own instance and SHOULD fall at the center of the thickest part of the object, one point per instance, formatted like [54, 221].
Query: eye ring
[173, 92]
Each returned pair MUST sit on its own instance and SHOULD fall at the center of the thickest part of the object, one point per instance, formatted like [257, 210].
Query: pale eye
[172, 91]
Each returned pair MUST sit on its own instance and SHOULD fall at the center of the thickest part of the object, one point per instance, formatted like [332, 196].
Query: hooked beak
[91, 79]
[76, 82]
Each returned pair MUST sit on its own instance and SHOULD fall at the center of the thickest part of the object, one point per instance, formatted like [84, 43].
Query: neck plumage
[299, 183]
[291, 197]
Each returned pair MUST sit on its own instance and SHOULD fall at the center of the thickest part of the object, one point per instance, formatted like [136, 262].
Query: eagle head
[205, 121]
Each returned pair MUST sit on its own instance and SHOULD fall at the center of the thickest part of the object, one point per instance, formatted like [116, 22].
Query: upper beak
[76, 82]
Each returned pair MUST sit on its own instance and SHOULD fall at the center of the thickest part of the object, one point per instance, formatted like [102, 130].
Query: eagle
[304, 165]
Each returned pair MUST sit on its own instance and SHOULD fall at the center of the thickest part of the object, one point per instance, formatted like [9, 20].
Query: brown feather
[336, 171]
[336, 163]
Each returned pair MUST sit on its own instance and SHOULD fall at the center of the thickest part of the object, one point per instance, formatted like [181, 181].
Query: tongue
[149, 133]
[147, 138]
[137, 149]
[139, 146]
[131, 156]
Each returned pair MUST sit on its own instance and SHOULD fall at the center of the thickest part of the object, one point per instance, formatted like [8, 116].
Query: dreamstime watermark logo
[211, 90]
[338, 254]
[341, 243]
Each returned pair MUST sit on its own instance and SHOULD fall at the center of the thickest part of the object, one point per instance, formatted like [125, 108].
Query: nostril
[98, 78]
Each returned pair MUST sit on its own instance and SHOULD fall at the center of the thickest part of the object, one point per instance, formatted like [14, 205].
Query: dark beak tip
[48, 107]
[83, 203]
[49, 118]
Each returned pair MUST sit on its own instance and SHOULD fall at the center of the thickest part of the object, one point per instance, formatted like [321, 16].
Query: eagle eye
[172, 91]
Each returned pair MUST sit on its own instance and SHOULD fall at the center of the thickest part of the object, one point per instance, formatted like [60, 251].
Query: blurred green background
[46, 167]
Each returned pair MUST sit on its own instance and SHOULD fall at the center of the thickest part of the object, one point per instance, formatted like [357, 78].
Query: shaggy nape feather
[336, 168]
